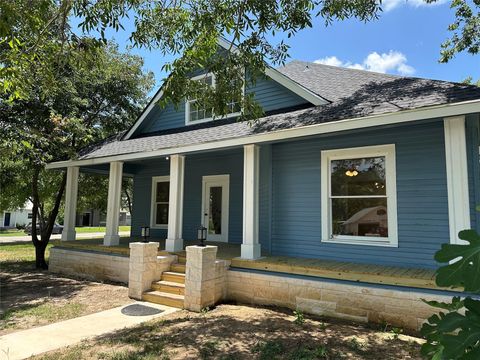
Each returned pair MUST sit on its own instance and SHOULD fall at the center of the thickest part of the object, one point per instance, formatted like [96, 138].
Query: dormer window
[196, 114]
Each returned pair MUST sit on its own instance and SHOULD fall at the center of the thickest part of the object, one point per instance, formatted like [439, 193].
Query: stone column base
[142, 268]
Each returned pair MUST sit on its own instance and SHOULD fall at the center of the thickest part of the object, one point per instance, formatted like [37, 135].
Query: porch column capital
[457, 176]
[174, 240]
[113, 206]
[71, 193]
[250, 248]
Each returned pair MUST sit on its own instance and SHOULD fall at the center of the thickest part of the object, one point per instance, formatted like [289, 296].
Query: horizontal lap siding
[197, 166]
[142, 195]
[421, 198]
[269, 94]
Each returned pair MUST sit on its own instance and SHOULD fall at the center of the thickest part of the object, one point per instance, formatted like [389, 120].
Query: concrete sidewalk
[25, 343]
[27, 238]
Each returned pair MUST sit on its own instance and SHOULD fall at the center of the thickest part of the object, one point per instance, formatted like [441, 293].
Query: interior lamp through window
[351, 172]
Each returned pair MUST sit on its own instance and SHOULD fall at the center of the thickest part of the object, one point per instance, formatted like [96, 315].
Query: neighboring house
[95, 217]
[347, 166]
[10, 219]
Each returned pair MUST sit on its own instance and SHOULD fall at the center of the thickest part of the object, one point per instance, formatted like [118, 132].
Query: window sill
[194, 122]
[163, 227]
[385, 242]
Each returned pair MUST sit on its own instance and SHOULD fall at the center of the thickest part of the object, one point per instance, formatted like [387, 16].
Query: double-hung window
[359, 196]
[195, 113]
[160, 201]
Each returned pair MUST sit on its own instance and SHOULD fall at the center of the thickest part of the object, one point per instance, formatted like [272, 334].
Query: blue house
[347, 165]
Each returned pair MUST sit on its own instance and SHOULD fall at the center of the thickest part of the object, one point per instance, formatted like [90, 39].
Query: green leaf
[456, 304]
[465, 267]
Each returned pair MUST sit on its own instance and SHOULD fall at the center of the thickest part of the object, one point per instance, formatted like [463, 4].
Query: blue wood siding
[142, 195]
[269, 94]
[473, 144]
[196, 166]
[421, 196]
[218, 163]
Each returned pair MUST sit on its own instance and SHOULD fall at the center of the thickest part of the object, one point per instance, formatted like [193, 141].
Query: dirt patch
[32, 298]
[244, 332]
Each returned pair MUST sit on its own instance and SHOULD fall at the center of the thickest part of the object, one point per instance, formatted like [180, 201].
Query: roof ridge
[396, 76]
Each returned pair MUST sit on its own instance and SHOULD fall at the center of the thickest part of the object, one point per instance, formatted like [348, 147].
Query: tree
[76, 92]
[188, 29]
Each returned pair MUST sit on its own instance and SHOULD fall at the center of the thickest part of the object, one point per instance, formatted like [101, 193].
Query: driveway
[26, 238]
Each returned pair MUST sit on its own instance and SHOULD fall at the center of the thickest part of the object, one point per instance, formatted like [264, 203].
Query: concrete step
[169, 287]
[173, 276]
[162, 298]
[180, 268]
[182, 259]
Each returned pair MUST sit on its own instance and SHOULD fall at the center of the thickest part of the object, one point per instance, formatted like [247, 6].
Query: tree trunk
[40, 262]
[46, 227]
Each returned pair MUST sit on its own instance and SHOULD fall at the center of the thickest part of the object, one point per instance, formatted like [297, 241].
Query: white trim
[115, 178]
[153, 210]
[282, 79]
[174, 241]
[270, 72]
[188, 122]
[224, 182]
[250, 248]
[71, 194]
[457, 177]
[388, 151]
[432, 112]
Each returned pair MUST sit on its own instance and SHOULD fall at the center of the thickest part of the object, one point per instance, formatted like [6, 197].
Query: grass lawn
[244, 332]
[98, 229]
[31, 297]
[11, 232]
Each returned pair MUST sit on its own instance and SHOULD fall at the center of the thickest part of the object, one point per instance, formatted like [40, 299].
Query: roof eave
[430, 112]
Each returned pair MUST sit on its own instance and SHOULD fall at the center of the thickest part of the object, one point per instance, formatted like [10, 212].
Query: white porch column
[71, 192]
[457, 176]
[174, 240]
[113, 206]
[250, 247]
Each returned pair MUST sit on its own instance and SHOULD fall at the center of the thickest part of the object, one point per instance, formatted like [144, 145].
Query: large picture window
[195, 113]
[359, 196]
[160, 201]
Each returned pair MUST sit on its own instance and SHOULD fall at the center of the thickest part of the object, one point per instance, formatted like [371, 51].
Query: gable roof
[272, 73]
[356, 98]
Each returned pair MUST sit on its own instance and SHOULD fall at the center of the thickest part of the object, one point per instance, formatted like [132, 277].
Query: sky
[405, 40]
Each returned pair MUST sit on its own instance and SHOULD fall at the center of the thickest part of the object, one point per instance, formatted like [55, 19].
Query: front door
[6, 221]
[215, 202]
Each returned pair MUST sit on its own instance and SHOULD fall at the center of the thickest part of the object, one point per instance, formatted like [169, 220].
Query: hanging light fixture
[351, 172]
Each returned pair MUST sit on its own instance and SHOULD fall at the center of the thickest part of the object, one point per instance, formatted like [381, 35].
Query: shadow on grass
[22, 286]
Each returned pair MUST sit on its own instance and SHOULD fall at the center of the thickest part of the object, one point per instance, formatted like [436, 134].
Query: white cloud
[393, 61]
[330, 60]
[388, 5]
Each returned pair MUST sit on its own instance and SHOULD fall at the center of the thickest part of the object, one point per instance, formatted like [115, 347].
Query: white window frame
[189, 101]
[153, 211]
[388, 151]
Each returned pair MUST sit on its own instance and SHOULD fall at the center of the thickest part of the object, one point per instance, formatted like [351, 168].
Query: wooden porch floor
[376, 274]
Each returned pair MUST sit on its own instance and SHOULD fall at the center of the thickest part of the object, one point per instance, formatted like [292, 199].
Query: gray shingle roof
[352, 94]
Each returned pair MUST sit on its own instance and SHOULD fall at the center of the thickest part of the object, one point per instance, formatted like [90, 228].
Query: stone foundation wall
[89, 264]
[360, 303]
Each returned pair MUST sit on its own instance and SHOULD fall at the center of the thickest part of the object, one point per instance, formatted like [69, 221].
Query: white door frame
[224, 182]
